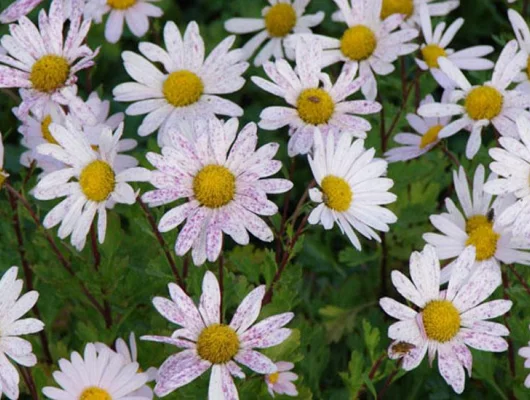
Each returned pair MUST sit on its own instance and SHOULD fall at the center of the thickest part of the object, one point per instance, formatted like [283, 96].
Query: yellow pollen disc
[182, 88]
[49, 73]
[218, 344]
[315, 106]
[2, 179]
[482, 236]
[484, 102]
[337, 193]
[358, 43]
[273, 378]
[95, 393]
[280, 20]
[397, 7]
[45, 130]
[441, 320]
[431, 53]
[430, 136]
[97, 181]
[121, 4]
[214, 186]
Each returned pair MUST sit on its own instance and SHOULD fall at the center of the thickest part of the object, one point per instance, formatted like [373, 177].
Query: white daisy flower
[221, 176]
[522, 33]
[448, 321]
[512, 164]
[410, 9]
[281, 381]
[101, 374]
[435, 46]
[209, 343]
[130, 355]
[280, 19]
[17, 349]
[191, 86]
[316, 102]
[477, 226]
[368, 42]
[352, 189]
[525, 353]
[98, 181]
[3, 174]
[44, 66]
[20, 8]
[489, 103]
[135, 12]
[425, 138]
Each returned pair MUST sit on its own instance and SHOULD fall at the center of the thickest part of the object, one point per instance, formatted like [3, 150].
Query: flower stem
[107, 310]
[511, 357]
[519, 278]
[221, 282]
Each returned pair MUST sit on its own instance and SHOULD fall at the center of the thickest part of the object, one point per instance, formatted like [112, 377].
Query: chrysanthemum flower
[425, 138]
[99, 181]
[317, 104]
[221, 177]
[209, 343]
[522, 33]
[489, 103]
[280, 19]
[44, 66]
[11, 327]
[352, 189]
[525, 353]
[130, 355]
[448, 321]
[281, 382]
[135, 12]
[190, 87]
[478, 226]
[435, 46]
[512, 164]
[369, 42]
[101, 374]
[3, 174]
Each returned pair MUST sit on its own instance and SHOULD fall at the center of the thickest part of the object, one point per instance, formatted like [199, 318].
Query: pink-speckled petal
[221, 384]
[214, 242]
[164, 339]
[169, 310]
[191, 231]
[463, 355]
[491, 309]
[414, 357]
[193, 319]
[13, 78]
[179, 370]
[483, 341]
[451, 369]
[248, 310]
[210, 303]
[275, 186]
[235, 370]
[461, 269]
[257, 362]
[175, 216]
[405, 287]
[396, 310]
[491, 328]
[273, 338]
[18, 9]
[258, 335]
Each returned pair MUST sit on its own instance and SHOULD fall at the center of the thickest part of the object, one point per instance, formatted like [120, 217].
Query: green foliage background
[339, 329]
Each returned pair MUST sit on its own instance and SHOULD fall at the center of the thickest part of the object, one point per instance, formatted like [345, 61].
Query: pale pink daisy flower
[19, 350]
[446, 322]
[281, 381]
[425, 138]
[280, 19]
[20, 8]
[191, 86]
[435, 46]
[209, 343]
[135, 13]
[315, 103]
[489, 103]
[522, 33]
[221, 177]
[43, 65]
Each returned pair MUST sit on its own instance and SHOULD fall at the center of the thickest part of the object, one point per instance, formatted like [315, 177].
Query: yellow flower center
[218, 344]
[121, 4]
[97, 180]
[484, 102]
[337, 193]
[273, 378]
[430, 136]
[315, 106]
[397, 7]
[482, 236]
[45, 129]
[441, 320]
[2, 178]
[528, 67]
[214, 186]
[280, 20]
[358, 43]
[182, 88]
[431, 53]
[49, 73]
[95, 393]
